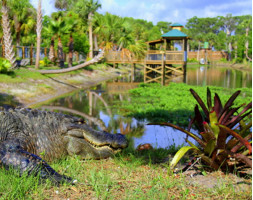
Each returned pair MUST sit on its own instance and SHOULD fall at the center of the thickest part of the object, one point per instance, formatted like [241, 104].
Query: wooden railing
[152, 56]
[168, 57]
[121, 57]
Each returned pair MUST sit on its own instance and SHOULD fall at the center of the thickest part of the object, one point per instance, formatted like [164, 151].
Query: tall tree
[57, 28]
[38, 30]
[92, 7]
[21, 11]
[229, 25]
[9, 52]
[247, 25]
[64, 4]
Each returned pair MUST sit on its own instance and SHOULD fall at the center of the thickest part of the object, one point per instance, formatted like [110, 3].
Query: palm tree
[229, 26]
[21, 11]
[57, 28]
[39, 28]
[72, 22]
[63, 4]
[91, 6]
[107, 27]
[9, 52]
[247, 25]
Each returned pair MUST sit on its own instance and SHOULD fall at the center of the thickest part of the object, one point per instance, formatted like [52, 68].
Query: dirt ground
[33, 92]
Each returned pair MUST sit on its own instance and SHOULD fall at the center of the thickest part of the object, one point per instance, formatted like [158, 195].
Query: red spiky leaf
[217, 105]
[201, 103]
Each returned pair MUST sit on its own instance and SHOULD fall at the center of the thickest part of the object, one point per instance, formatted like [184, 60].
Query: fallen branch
[58, 71]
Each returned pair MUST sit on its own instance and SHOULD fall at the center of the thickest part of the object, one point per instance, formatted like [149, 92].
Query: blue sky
[166, 10]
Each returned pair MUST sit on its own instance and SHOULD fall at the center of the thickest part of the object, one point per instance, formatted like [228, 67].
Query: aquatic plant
[224, 134]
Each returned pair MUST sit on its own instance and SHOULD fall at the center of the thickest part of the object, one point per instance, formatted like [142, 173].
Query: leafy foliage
[223, 133]
[4, 65]
[172, 103]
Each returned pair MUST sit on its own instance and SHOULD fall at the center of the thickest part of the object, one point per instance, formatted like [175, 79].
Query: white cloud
[47, 6]
[175, 11]
[165, 10]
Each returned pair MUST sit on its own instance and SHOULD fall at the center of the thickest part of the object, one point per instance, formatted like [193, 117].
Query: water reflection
[97, 109]
[96, 105]
[222, 77]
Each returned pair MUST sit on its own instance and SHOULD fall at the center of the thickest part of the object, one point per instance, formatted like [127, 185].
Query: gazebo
[166, 56]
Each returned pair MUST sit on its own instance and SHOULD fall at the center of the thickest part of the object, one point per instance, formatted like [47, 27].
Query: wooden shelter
[166, 56]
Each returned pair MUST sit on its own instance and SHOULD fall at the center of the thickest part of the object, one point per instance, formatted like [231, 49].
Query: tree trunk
[90, 35]
[247, 45]
[51, 51]
[96, 42]
[39, 28]
[236, 52]
[60, 54]
[9, 51]
[90, 62]
[198, 52]
[71, 49]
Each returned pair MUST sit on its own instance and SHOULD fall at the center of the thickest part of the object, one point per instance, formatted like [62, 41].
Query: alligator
[26, 134]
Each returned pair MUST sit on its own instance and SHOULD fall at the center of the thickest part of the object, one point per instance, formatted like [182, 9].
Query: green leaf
[210, 147]
[208, 97]
[181, 152]
[192, 145]
[213, 124]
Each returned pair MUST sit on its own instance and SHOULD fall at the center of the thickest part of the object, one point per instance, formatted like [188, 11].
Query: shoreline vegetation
[129, 175]
[76, 30]
[20, 89]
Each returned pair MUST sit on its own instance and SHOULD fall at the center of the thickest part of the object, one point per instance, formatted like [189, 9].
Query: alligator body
[27, 133]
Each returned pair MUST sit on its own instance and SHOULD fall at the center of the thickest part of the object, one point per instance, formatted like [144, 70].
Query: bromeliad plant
[223, 132]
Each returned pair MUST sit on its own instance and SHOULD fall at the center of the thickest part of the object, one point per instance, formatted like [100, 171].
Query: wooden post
[132, 72]
[23, 52]
[31, 54]
[163, 70]
[145, 70]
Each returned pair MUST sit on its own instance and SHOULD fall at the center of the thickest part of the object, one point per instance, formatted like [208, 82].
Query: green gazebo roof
[176, 24]
[174, 33]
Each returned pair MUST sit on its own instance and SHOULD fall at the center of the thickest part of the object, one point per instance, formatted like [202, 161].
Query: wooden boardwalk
[158, 65]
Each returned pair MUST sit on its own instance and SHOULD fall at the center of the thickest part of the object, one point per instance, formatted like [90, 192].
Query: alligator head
[89, 143]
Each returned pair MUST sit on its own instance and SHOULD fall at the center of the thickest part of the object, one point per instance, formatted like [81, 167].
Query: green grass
[129, 175]
[23, 74]
[173, 103]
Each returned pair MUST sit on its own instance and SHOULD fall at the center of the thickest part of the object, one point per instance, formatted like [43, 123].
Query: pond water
[97, 104]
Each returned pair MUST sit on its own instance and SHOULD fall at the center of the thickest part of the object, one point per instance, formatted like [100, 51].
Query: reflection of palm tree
[96, 121]
[104, 102]
[126, 127]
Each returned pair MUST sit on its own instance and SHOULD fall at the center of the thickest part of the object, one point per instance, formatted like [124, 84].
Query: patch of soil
[219, 179]
[33, 92]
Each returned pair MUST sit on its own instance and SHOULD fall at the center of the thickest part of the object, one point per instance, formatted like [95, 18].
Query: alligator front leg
[13, 156]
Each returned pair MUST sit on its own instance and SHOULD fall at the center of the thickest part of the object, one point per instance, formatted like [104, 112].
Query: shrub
[5, 65]
[223, 132]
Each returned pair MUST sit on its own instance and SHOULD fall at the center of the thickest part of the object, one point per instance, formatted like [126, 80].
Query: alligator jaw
[88, 143]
